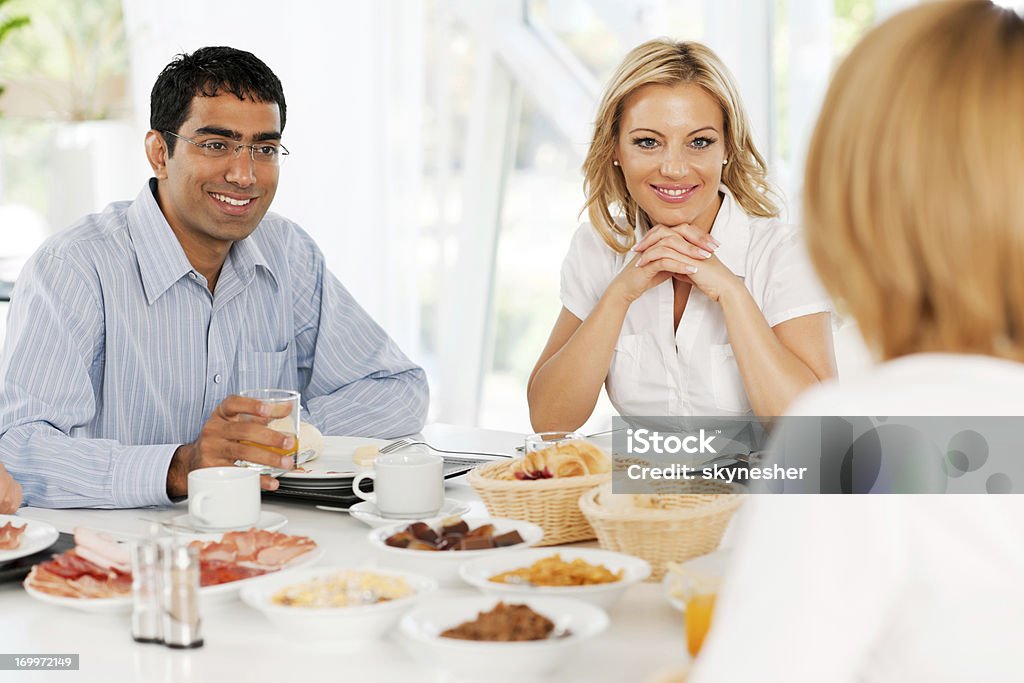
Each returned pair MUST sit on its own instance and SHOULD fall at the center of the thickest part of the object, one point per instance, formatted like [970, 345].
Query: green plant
[8, 24]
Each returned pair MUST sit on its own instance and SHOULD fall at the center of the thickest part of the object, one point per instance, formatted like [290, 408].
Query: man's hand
[10, 493]
[235, 420]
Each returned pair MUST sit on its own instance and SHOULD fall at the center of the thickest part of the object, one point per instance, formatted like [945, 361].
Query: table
[645, 636]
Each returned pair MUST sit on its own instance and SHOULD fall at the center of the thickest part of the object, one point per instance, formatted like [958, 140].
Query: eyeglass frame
[282, 150]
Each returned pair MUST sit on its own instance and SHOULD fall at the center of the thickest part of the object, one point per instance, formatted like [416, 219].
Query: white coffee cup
[406, 485]
[222, 498]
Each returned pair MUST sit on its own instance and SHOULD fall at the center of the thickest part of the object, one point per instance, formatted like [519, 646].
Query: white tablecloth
[645, 637]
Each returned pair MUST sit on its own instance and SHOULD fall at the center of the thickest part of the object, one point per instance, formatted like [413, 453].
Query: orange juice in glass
[285, 411]
[693, 586]
[700, 608]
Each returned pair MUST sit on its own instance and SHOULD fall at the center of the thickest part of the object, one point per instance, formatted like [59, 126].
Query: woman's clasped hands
[683, 252]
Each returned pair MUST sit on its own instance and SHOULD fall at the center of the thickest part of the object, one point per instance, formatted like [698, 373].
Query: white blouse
[692, 371]
[880, 588]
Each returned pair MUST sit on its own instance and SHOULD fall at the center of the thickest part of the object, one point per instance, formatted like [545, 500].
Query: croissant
[568, 459]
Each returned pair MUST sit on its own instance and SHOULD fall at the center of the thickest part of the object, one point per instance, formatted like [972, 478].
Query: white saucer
[367, 513]
[182, 525]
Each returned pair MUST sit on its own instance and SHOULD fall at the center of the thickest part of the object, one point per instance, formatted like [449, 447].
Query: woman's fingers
[669, 246]
[686, 231]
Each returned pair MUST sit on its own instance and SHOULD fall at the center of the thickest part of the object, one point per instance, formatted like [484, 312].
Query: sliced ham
[10, 536]
[102, 550]
[280, 555]
[93, 569]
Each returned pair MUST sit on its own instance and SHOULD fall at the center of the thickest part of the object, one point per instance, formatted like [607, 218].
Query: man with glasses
[131, 334]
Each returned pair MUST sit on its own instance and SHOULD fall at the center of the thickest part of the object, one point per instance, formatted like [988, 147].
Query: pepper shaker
[181, 623]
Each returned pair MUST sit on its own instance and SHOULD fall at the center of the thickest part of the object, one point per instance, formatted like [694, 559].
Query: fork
[399, 444]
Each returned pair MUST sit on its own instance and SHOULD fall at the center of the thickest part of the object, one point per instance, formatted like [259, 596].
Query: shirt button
[192, 275]
[216, 378]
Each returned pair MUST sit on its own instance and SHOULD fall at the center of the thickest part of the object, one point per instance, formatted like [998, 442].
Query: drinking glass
[538, 442]
[285, 408]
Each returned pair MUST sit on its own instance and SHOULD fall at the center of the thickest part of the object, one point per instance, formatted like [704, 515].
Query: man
[131, 333]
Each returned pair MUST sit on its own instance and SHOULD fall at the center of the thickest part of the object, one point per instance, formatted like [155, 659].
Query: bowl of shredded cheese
[337, 604]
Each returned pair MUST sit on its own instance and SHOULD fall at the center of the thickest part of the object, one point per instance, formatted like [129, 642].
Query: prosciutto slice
[10, 536]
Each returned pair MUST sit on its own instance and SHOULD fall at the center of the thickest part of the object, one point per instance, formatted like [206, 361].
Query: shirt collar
[162, 261]
[732, 230]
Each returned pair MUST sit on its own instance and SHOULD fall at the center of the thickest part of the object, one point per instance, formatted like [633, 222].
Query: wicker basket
[690, 525]
[551, 503]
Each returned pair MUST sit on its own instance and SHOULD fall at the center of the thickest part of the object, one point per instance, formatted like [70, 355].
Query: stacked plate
[327, 479]
[333, 469]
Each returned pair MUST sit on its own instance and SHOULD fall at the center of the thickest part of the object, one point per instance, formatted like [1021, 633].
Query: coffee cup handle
[362, 476]
[198, 511]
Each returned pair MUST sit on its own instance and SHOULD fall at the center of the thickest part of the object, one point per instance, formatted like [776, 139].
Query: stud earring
[724, 162]
[615, 162]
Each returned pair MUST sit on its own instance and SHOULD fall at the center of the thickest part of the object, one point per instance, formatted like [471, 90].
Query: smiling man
[132, 333]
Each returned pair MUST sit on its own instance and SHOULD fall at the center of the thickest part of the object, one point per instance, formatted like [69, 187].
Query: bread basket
[686, 525]
[553, 504]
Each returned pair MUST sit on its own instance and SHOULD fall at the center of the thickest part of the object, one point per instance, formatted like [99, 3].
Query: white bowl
[443, 565]
[492, 661]
[333, 624]
[604, 595]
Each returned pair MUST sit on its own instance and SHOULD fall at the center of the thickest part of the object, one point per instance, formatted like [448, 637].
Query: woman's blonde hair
[915, 218]
[665, 62]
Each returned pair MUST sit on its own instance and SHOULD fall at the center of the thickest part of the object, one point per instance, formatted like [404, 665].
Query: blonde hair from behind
[915, 218]
[665, 62]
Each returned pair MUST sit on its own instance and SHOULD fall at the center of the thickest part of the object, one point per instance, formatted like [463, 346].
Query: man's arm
[354, 378]
[50, 372]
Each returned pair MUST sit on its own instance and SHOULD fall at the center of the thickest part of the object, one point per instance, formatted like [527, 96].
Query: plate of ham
[95, 575]
[20, 537]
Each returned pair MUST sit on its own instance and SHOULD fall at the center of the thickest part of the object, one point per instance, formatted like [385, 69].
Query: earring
[615, 162]
[724, 162]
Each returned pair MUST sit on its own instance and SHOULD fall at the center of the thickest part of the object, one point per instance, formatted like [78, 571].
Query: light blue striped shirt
[117, 353]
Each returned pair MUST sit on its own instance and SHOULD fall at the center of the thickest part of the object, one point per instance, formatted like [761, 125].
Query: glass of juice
[699, 609]
[284, 412]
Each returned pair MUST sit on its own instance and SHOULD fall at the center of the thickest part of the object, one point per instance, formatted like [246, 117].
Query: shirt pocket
[265, 370]
[726, 381]
[638, 381]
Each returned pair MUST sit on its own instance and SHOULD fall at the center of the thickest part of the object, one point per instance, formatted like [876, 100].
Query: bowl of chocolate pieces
[483, 638]
[436, 550]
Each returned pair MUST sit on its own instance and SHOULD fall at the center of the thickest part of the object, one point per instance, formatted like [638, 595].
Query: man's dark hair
[208, 72]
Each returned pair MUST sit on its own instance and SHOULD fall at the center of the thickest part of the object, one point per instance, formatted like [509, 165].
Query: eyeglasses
[222, 148]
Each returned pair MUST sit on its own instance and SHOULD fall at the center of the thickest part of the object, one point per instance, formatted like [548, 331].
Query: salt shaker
[181, 624]
[146, 598]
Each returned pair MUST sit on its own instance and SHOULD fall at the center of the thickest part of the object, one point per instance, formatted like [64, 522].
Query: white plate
[211, 595]
[331, 625]
[38, 536]
[604, 595]
[367, 513]
[182, 526]
[335, 463]
[492, 661]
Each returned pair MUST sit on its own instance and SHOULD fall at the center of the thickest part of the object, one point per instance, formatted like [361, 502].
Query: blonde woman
[684, 294]
[914, 218]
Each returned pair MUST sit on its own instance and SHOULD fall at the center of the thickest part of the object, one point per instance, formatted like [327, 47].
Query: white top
[886, 587]
[692, 371]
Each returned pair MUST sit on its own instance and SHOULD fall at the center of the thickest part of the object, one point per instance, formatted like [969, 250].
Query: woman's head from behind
[669, 129]
[915, 217]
